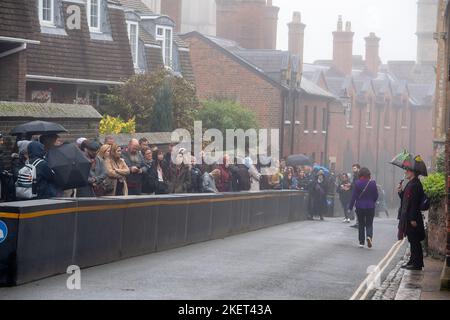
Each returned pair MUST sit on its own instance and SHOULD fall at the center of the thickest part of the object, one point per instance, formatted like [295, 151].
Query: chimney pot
[339, 24]
[348, 26]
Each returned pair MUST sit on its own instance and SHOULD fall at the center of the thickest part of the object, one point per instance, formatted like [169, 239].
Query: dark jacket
[179, 179]
[344, 195]
[148, 184]
[134, 180]
[240, 178]
[160, 187]
[45, 187]
[196, 180]
[318, 194]
[411, 198]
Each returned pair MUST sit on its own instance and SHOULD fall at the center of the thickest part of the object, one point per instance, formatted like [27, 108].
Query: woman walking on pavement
[364, 198]
[411, 220]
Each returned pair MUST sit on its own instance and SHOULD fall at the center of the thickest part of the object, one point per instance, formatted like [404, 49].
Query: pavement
[403, 284]
[309, 260]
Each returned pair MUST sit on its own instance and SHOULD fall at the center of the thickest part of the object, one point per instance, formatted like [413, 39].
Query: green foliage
[144, 95]
[112, 125]
[161, 120]
[434, 187]
[223, 114]
[440, 163]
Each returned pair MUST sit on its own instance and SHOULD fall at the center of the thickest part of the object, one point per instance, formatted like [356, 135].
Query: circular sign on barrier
[3, 231]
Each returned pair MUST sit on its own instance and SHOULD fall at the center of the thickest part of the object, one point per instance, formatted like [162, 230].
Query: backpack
[425, 203]
[25, 185]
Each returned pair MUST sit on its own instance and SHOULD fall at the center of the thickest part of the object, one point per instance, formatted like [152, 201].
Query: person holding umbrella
[410, 217]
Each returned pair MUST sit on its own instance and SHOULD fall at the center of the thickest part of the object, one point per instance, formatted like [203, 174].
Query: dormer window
[133, 35]
[93, 14]
[164, 36]
[46, 12]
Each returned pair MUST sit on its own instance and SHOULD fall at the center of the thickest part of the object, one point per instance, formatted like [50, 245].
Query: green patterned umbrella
[406, 160]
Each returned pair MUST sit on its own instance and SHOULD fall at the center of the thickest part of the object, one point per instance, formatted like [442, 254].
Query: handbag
[106, 186]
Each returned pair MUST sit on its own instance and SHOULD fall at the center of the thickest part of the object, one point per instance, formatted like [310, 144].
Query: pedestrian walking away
[364, 198]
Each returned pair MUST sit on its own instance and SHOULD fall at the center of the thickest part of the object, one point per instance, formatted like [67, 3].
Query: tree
[161, 120]
[151, 96]
[225, 114]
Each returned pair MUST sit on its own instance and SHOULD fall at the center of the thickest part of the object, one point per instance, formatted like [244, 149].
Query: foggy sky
[394, 21]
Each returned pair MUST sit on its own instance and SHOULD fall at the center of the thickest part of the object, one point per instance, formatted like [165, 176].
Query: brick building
[269, 83]
[442, 132]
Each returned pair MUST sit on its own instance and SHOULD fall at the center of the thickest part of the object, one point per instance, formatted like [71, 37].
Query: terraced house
[71, 51]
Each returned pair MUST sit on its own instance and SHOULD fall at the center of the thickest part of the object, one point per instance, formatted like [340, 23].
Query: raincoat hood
[36, 150]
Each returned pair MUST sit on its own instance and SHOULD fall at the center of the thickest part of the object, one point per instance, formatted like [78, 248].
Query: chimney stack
[296, 36]
[343, 47]
[372, 53]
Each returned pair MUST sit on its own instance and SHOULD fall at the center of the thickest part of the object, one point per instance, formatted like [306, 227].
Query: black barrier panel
[199, 222]
[45, 246]
[8, 250]
[236, 217]
[98, 232]
[257, 213]
[296, 207]
[139, 230]
[42, 239]
[271, 209]
[172, 225]
[221, 219]
[284, 205]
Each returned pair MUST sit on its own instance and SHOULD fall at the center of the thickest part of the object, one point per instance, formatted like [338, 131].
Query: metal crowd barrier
[41, 238]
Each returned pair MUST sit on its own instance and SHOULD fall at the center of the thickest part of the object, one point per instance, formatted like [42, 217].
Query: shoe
[361, 245]
[369, 242]
[413, 268]
[348, 220]
[406, 266]
[322, 219]
[345, 220]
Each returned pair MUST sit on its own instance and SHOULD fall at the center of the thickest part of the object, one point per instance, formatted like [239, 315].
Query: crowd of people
[140, 168]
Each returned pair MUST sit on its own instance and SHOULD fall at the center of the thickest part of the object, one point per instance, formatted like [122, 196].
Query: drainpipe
[377, 158]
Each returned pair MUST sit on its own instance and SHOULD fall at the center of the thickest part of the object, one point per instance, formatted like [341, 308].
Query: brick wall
[217, 75]
[12, 77]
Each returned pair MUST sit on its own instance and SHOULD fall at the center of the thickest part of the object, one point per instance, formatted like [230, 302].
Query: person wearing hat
[410, 218]
[90, 152]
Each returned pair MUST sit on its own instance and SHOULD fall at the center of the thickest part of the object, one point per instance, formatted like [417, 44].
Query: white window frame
[51, 22]
[129, 24]
[163, 39]
[88, 12]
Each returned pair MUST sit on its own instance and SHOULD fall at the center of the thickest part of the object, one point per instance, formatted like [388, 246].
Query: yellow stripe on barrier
[130, 205]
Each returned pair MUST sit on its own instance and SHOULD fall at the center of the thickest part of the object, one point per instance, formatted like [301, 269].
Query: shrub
[115, 125]
[434, 187]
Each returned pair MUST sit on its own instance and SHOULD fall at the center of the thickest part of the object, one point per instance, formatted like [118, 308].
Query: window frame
[306, 120]
[129, 24]
[315, 119]
[43, 22]
[162, 40]
[88, 13]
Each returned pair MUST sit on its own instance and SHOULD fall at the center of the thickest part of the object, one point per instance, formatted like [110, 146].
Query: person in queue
[117, 170]
[135, 161]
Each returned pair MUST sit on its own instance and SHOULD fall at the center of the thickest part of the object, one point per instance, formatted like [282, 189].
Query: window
[306, 117]
[348, 111]
[315, 119]
[93, 13]
[133, 35]
[324, 120]
[369, 113]
[86, 95]
[164, 37]
[46, 12]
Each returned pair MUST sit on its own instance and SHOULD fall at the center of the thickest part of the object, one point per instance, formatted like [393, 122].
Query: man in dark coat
[45, 187]
[318, 195]
[411, 220]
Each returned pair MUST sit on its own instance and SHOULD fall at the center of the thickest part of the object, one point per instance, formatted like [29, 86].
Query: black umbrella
[38, 127]
[298, 160]
[70, 166]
